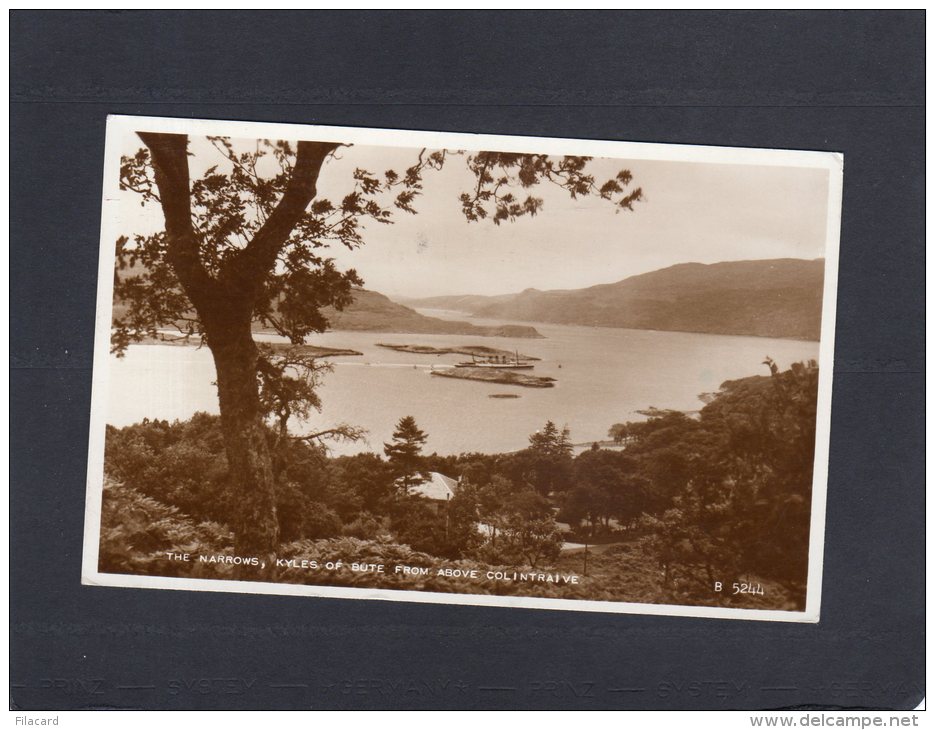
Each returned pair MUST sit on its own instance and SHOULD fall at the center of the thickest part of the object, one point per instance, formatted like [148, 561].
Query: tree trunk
[248, 454]
[224, 303]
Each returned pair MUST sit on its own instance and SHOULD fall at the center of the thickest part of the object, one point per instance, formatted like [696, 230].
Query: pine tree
[405, 452]
[550, 440]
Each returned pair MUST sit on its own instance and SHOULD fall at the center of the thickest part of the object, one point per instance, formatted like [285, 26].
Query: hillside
[373, 312]
[768, 298]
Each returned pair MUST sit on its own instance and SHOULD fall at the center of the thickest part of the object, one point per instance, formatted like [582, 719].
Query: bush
[365, 526]
[183, 464]
[137, 531]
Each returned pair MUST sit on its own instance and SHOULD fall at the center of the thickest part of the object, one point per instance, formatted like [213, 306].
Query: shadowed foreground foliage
[138, 531]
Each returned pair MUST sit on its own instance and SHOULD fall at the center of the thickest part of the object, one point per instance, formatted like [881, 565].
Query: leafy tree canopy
[236, 202]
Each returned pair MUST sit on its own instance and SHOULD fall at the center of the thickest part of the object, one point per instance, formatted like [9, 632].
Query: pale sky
[697, 212]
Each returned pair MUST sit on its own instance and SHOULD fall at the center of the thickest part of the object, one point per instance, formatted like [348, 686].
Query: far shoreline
[461, 315]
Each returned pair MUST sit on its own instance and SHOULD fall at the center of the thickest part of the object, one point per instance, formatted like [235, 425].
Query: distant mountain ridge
[765, 298]
[373, 312]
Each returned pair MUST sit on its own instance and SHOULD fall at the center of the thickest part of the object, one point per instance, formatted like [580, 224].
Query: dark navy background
[851, 82]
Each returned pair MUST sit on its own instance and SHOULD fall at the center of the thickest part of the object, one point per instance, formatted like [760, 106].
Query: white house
[437, 487]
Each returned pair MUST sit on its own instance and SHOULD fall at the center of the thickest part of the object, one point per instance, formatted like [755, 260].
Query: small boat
[497, 362]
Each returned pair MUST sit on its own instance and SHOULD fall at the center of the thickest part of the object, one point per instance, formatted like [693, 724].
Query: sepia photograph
[458, 368]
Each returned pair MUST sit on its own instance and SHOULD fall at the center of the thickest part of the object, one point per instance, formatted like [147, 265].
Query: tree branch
[170, 161]
[249, 268]
[341, 432]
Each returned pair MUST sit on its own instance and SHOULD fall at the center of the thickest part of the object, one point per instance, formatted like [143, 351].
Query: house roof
[437, 487]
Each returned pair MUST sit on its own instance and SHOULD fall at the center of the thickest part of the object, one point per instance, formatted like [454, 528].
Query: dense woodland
[683, 501]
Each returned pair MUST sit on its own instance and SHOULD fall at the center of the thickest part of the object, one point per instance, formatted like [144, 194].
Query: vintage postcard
[464, 369]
